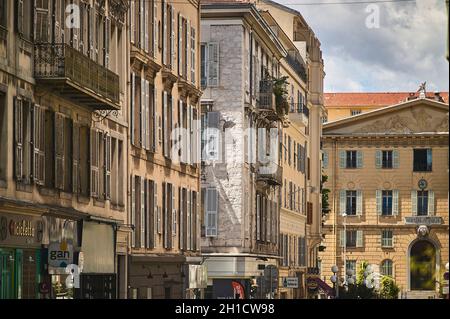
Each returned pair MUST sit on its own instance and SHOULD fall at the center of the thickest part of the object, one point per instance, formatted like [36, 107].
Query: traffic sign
[290, 282]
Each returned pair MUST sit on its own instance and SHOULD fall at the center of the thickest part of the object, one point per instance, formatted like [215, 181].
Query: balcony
[299, 114]
[76, 77]
[295, 60]
[266, 97]
[270, 173]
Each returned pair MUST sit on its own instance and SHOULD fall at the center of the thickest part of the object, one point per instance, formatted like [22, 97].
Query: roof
[373, 99]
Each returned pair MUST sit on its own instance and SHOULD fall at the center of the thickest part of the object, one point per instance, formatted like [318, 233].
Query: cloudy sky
[408, 47]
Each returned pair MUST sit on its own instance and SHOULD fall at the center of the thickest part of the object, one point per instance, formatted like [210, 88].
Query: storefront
[20, 256]
[197, 280]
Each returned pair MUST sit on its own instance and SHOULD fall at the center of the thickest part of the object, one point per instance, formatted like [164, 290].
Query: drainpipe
[334, 199]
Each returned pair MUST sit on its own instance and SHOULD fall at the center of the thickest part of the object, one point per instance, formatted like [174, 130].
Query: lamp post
[335, 280]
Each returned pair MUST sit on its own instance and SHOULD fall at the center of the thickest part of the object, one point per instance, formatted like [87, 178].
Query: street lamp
[335, 280]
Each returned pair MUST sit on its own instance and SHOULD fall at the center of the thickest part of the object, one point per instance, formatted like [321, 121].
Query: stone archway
[422, 265]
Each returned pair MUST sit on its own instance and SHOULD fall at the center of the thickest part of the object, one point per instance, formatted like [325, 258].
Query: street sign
[290, 282]
[445, 290]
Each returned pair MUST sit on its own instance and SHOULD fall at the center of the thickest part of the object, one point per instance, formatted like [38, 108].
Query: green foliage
[325, 196]
[388, 288]
[281, 93]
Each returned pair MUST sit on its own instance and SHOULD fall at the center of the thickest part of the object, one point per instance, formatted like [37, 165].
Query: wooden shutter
[258, 217]
[39, 145]
[133, 105]
[212, 145]
[193, 55]
[359, 238]
[359, 202]
[20, 16]
[41, 21]
[342, 201]
[142, 213]
[181, 217]
[155, 28]
[395, 159]
[414, 202]
[342, 159]
[325, 159]
[132, 21]
[107, 170]
[378, 158]
[379, 200]
[147, 5]
[166, 135]
[95, 147]
[133, 210]
[172, 38]
[342, 238]
[147, 115]
[395, 202]
[213, 64]
[18, 139]
[106, 44]
[174, 216]
[59, 150]
[153, 121]
[431, 211]
[76, 159]
[359, 159]
[180, 44]
[143, 105]
[189, 220]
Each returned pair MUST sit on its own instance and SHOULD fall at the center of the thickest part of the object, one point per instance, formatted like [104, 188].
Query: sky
[405, 48]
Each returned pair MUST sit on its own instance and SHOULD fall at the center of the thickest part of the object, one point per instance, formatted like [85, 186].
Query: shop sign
[60, 254]
[198, 276]
[20, 230]
[423, 220]
[311, 284]
[290, 282]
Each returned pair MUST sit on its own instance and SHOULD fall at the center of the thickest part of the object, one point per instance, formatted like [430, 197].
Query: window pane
[422, 160]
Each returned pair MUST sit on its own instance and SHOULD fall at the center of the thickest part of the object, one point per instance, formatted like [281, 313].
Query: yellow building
[164, 184]
[388, 179]
[63, 148]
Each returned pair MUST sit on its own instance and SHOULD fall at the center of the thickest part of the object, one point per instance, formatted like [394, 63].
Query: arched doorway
[422, 266]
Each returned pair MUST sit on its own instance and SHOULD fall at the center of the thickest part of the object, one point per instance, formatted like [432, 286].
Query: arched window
[386, 267]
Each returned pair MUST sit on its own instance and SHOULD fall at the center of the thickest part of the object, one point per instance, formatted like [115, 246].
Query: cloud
[407, 49]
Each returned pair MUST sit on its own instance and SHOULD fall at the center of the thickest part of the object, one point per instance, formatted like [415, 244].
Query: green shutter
[379, 198]
[395, 159]
[414, 202]
[395, 202]
[342, 157]
[359, 202]
[431, 211]
[378, 155]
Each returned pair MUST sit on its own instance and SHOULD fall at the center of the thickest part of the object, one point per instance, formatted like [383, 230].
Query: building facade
[388, 179]
[63, 147]
[241, 173]
[300, 149]
[164, 168]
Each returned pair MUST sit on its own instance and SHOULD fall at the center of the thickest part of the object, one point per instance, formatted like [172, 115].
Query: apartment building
[388, 179]
[300, 151]
[164, 168]
[63, 146]
[241, 172]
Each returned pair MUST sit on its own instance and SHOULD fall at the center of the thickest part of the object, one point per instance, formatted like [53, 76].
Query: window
[3, 13]
[422, 160]
[422, 203]
[387, 238]
[350, 238]
[324, 119]
[211, 137]
[350, 265]
[387, 203]
[209, 64]
[386, 159]
[22, 140]
[302, 251]
[350, 203]
[24, 18]
[351, 159]
[355, 112]
[386, 267]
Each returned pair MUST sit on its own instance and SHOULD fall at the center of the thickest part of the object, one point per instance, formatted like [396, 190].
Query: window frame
[353, 196]
[421, 167]
[387, 159]
[351, 159]
[387, 241]
[390, 267]
[388, 194]
[422, 203]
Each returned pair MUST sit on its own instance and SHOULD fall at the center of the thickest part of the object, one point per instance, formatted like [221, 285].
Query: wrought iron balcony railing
[76, 76]
[295, 60]
[266, 97]
[271, 173]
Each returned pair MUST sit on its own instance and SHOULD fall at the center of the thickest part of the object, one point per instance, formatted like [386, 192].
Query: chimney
[438, 97]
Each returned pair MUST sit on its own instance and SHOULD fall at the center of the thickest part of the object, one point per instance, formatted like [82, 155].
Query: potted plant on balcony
[281, 92]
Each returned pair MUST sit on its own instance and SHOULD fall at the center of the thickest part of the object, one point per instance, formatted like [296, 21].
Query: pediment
[407, 118]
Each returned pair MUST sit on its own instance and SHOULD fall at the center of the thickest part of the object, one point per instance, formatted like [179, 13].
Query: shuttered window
[41, 21]
[210, 64]
[39, 145]
[212, 206]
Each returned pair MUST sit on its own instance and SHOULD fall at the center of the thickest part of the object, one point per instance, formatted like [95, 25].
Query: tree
[388, 289]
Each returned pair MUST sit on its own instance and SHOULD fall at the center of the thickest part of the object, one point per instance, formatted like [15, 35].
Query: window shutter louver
[59, 151]
[94, 163]
[342, 238]
[76, 159]
[193, 55]
[359, 159]
[107, 166]
[359, 238]
[189, 220]
[378, 160]
[153, 121]
[431, 211]
[132, 21]
[181, 218]
[213, 64]
[379, 199]
[211, 212]
[147, 5]
[107, 34]
[172, 39]
[174, 217]
[147, 115]
[359, 203]
[180, 44]
[39, 145]
[18, 139]
[164, 37]
[133, 105]
[414, 202]
[395, 159]
[395, 202]
[342, 158]
[155, 28]
[325, 160]
[143, 105]
[42, 21]
[142, 215]
[165, 124]
[342, 202]
[258, 217]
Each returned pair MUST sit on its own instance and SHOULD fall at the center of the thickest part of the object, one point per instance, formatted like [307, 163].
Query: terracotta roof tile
[373, 99]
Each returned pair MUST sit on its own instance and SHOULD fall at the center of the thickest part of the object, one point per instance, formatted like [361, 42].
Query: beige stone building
[300, 215]
[163, 162]
[63, 146]
[388, 176]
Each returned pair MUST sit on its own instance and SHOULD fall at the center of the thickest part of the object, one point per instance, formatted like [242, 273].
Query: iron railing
[299, 108]
[266, 98]
[295, 60]
[61, 61]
